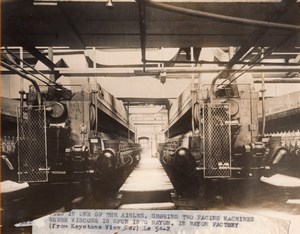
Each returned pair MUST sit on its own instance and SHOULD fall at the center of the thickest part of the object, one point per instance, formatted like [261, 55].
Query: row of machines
[66, 135]
[214, 135]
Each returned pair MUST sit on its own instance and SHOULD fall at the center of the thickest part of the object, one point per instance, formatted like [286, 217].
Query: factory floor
[280, 203]
[256, 198]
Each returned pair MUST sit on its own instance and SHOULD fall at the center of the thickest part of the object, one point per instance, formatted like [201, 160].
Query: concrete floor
[250, 197]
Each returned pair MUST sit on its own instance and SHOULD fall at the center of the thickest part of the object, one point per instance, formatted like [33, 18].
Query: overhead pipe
[34, 83]
[256, 59]
[219, 17]
[278, 80]
[222, 62]
[142, 22]
[27, 64]
[29, 73]
[231, 77]
[213, 89]
[129, 72]
[213, 70]
[233, 85]
[35, 71]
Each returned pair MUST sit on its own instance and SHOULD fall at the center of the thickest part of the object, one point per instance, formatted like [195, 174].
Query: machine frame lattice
[216, 140]
[32, 144]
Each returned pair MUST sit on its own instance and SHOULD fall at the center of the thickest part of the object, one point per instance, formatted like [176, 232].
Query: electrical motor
[57, 112]
[106, 162]
[78, 156]
[184, 161]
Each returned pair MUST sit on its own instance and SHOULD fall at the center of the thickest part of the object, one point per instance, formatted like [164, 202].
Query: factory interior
[149, 105]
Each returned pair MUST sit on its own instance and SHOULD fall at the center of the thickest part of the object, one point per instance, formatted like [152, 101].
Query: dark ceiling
[80, 24]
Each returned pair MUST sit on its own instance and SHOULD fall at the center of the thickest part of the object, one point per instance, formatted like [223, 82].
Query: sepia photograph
[150, 116]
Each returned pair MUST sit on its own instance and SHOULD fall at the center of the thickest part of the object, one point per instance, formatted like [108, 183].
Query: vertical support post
[95, 92]
[21, 92]
[232, 79]
[168, 127]
[50, 55]
[83, 127]
[128, 123]
[142, 22]
[263, 90]
[21, 65]
[199, 101]
[82, 103]
[135, 134]
[193, 92]
[94, 57]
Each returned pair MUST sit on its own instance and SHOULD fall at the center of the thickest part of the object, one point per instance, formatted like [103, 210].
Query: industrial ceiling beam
[65, 18]
[41, 57]
[240, 54]
[256, 35]
[23, 42]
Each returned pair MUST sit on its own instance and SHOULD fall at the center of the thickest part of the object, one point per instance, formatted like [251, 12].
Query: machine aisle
[148, 187]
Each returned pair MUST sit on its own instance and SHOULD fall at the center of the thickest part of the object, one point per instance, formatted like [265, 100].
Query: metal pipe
[231, 77]
[142, 22]
[278, 80]
[219, 17]
[34, 83]
[27, 64]
[232, 80]
[29, 73]
[260, 58]
[117, 67]
[171, 70]
[128, 123]
[263, 90]
[37, 71]
[251, 114]
[193, 93]
[213, 90]
[213, 70]
[223, 63]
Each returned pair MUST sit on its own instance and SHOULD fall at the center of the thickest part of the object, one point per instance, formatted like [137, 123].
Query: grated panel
[216, 140]
[32, 144]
